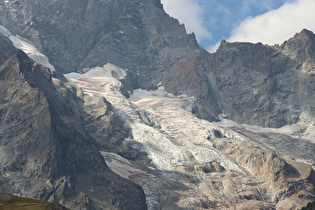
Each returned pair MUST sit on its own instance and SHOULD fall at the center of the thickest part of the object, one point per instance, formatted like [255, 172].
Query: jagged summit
[301, 47]
[305, 33]
[132, 31]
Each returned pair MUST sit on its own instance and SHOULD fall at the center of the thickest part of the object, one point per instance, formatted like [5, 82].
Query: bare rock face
[301, 47]
[7, 50]
[263, 85]
[45, 151]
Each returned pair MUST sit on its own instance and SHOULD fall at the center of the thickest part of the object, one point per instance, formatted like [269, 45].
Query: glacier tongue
[172, 136]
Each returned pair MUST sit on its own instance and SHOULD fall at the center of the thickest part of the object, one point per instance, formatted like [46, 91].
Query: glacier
[177, 142]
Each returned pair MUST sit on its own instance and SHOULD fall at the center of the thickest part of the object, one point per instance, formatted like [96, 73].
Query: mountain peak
[301, 47]
[304, 32]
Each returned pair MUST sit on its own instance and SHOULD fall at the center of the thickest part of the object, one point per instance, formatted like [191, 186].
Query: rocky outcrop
[301, 47]
[103, 124]
[45, 151]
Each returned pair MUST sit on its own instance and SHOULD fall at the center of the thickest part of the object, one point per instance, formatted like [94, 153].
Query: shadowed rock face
[7, 50]
[45, 150]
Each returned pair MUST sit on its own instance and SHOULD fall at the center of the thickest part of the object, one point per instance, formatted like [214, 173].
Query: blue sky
[267, 21]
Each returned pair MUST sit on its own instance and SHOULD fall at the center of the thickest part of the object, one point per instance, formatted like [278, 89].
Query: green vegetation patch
[310, 206]
[8, 201]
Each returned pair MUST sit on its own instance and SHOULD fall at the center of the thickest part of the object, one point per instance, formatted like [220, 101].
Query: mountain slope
[136, 35]
[183, 162]
[271, 83]
[45, 150]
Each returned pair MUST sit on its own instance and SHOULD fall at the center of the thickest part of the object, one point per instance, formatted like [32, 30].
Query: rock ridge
[45, 151]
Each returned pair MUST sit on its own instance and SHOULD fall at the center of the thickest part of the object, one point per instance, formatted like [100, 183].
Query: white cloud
[276, 26]
[189, 13]
[213, 48]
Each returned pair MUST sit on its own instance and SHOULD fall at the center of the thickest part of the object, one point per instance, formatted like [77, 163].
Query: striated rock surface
[263, 85]
[45, 151]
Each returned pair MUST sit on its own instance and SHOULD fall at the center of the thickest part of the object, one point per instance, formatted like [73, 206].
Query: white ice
[107, 71]
[27, 47]
[308, 135]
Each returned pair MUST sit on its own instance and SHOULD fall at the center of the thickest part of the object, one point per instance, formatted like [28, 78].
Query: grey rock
[46, 152]
[263, 85]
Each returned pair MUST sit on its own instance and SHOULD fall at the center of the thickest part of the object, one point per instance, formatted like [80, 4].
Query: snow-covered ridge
[27, 47]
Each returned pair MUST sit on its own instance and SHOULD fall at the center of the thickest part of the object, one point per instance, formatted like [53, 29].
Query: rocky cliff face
[45, 151]
[260, 85]
[263, 85]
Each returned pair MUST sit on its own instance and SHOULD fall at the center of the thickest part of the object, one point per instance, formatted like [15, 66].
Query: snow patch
[27, 47]
[107, 71]
[6, 175]
[308, 134]
[145, 95]
[4, 31]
